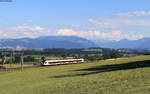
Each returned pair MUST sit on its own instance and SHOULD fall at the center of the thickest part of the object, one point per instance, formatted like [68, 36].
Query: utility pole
[22, 62]
[4, 60]
[4, 57]
[11, 58]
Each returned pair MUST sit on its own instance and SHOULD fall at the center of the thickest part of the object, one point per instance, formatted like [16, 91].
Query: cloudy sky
[91, 19]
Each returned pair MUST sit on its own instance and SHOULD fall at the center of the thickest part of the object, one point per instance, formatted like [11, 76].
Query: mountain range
[72, 42]
[132, 44]
[47, 42]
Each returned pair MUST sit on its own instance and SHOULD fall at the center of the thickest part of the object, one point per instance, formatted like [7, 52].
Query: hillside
[132, 44]
[121, 76]
[47, 42]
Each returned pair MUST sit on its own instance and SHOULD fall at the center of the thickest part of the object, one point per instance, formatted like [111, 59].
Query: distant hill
[72, 42]
[48, 42]
[143, 43]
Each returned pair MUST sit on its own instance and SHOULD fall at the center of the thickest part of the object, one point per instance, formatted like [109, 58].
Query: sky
[92, 19]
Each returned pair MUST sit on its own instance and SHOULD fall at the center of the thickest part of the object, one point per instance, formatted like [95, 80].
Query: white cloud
[36, 31]
[69, 25]
[122, 19]
[118, 22]
[26, 28]
[97, 35]
[66, 32]
[135, 13]
[134, 37]
[24, 31]
[104, 22]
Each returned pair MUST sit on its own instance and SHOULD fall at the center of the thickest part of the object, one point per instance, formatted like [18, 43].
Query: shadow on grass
[108, 68]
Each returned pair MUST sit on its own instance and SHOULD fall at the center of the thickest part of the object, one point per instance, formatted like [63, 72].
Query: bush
[29, 59]
[92, 57]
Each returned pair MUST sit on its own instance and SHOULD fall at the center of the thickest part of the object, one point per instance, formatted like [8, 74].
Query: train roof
[61, 60]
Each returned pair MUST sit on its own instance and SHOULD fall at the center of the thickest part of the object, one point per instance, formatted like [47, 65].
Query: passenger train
[61, 62]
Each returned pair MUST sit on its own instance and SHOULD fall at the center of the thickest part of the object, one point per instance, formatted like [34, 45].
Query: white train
[61, 62]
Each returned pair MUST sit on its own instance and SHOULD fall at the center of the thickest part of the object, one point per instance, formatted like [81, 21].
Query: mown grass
[120, 76]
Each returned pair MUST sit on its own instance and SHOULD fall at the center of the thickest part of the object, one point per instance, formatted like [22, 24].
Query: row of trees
[87, 57]
[101, 57]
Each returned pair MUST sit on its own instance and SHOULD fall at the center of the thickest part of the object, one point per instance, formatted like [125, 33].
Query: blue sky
[92, 19]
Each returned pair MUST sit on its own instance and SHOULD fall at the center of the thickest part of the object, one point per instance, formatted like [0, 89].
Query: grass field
[120, 76]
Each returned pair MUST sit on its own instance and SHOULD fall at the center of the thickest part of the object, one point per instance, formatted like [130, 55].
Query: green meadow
[113, 76]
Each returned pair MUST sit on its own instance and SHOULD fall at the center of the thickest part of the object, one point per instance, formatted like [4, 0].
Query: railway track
[30, 67]
[18, 68]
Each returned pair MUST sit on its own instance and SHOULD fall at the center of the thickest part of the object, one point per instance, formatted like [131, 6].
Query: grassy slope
[121, 76]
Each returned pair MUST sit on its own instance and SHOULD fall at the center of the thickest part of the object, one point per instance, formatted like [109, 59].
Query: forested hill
[48, 42]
